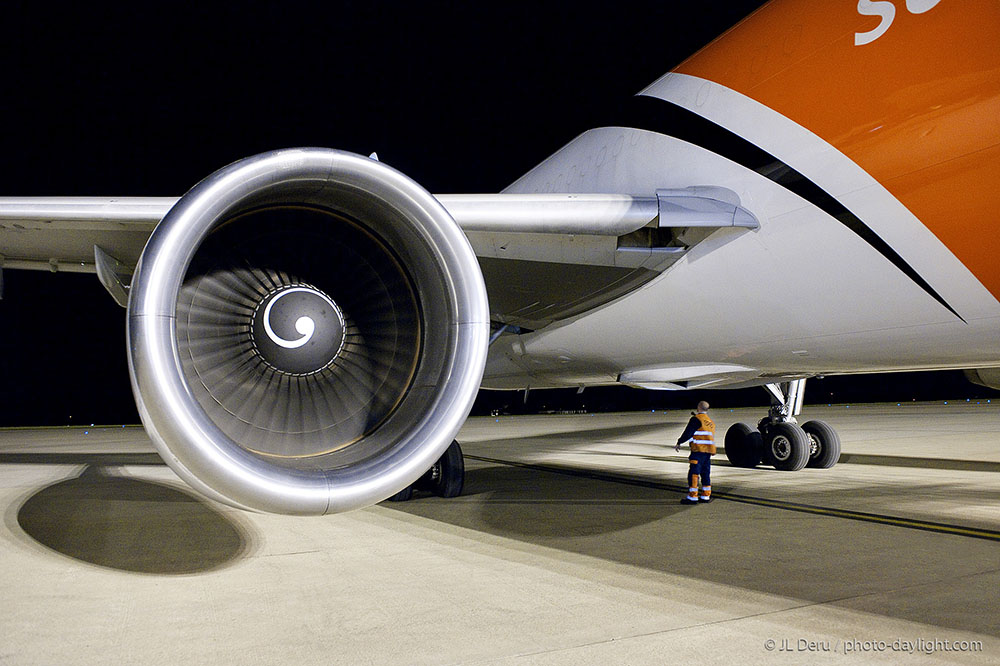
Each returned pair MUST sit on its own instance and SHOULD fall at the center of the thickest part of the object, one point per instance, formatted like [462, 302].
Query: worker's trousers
[700, 474]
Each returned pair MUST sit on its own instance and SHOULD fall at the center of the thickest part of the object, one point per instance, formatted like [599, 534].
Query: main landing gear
[445, 478]
[779, 440]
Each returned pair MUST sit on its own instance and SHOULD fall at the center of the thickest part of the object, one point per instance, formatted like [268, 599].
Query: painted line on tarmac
[926, 526]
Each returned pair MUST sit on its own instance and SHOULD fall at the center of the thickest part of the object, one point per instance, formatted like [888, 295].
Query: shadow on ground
[886, 570]
[95, 459]
[132, 525]
[523, 501]
[597, 434]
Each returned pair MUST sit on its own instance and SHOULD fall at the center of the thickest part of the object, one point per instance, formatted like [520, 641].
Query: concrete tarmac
[568, 546]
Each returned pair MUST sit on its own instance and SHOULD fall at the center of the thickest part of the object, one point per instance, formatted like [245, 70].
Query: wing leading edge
[570, 251]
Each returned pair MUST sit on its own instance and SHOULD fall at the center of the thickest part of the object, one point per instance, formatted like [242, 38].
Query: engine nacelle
[307, 332]
[988, 377]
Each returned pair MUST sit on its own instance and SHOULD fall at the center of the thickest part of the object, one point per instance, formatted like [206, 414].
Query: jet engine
[307, 331]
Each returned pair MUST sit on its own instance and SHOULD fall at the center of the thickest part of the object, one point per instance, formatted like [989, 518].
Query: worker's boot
[692, 496]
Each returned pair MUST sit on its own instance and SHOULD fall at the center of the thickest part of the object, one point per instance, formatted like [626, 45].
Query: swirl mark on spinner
[304, 325]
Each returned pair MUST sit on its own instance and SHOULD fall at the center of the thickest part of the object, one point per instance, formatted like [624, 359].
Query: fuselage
[868, 148]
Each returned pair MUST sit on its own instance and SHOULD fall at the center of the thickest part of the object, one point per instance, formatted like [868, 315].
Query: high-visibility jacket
[703, 439]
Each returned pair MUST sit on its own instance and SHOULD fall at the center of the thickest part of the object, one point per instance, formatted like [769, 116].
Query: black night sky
[145, 100]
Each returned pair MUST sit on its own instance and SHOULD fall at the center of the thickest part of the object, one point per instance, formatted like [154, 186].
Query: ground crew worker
[700, 431]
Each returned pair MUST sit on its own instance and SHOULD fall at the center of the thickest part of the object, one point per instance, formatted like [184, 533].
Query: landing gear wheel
[450, 472]
[445, 478]
[824, 444]
[787, 445]
[743, 445]
[764, 427]
[403, 495]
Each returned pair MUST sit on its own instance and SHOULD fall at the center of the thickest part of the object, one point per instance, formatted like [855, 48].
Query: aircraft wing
[59, 233]
[613, 242]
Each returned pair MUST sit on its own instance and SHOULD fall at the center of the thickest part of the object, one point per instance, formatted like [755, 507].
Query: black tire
[764, 427]
[787, 445]
[743, 445]
[403, 495]
[824, 444]
[450, 477]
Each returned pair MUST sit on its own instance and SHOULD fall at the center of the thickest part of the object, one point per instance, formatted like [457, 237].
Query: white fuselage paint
[886, 11]
[804, 295]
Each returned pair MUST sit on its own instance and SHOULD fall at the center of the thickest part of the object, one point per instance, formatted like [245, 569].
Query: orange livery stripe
[917, 106]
